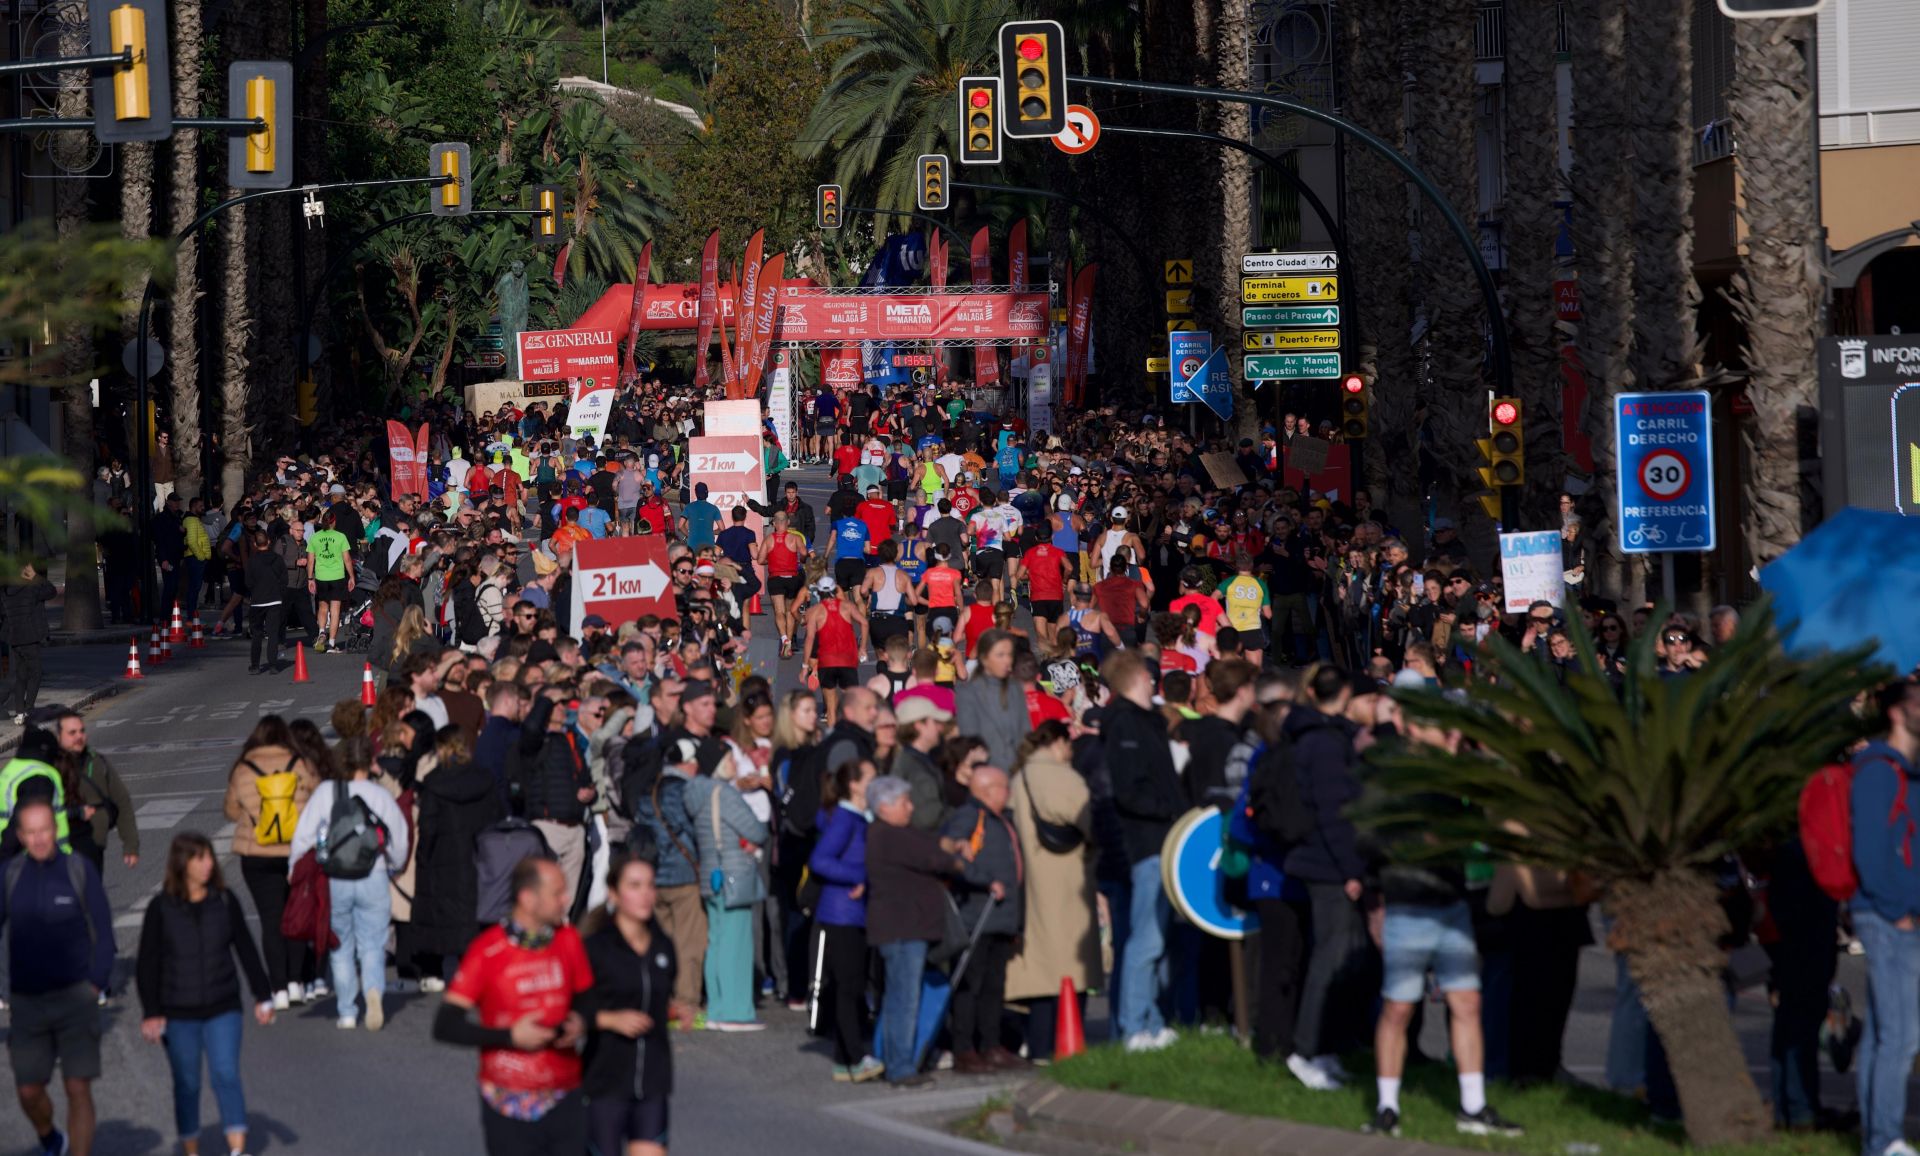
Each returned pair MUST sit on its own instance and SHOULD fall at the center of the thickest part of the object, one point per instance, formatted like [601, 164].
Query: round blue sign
[1190, 871]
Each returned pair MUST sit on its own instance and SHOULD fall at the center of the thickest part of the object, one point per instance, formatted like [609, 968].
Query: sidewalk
[79, 676]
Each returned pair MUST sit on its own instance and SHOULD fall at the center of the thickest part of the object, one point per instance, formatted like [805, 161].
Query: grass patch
[973, 1126]
[1215, 1072]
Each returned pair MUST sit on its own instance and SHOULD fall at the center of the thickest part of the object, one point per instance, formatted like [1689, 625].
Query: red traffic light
[1032, 48]
[981, 98]
[829, 196]
[1506, 413]
[1353, 383]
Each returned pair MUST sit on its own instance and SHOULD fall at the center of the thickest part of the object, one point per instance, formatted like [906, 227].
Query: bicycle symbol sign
[1665, 475]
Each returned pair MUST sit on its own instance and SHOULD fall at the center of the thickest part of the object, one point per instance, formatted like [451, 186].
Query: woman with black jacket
[190, 939]
[266, 602]
[457, 801]
[629, 1063]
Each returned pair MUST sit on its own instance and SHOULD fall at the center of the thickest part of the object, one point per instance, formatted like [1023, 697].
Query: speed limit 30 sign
[1665, 477]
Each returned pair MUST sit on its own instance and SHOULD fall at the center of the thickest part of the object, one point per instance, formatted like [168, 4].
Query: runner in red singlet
[834, 644]
[782, 555]
[939, 590]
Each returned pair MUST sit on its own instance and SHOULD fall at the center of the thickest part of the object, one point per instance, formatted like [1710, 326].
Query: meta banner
[808, 313]
[554, 355]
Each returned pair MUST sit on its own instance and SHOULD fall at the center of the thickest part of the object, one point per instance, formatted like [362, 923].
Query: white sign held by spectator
[1530, 567]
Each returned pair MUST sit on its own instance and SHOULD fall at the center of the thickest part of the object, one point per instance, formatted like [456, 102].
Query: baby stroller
[356, 615]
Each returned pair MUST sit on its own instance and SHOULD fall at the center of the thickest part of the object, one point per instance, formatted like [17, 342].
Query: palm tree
[183, 335]
[1777, 291]
[890, 96]
[1222, 29]
[1377, 219]
[71, 203]
[1534, 189]
[1642, 790]
[1666, 344]
[1603, 196]
[615, 198]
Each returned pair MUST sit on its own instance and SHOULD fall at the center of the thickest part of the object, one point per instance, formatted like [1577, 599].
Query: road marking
[164, 814]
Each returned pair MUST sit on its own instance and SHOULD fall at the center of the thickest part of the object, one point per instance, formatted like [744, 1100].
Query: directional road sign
[1179, 324]
[1316, 262]
[1665, 475]
[1289, 316]
[1159, 364]
[1214, 385]
[1275, 290]
[1179, 301]
[1277, 339]
[1082, 131]
[1279, 366]
[1179, 272]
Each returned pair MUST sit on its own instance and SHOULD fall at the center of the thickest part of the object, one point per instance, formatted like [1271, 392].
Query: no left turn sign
[1082, 131]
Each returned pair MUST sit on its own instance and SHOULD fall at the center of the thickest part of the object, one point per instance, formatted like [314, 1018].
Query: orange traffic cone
[300, 663]
[1069, 1034]
[178, 631]
[198, 639]
[368, 695]
[753, 604]
[153, 646]
[133, 659]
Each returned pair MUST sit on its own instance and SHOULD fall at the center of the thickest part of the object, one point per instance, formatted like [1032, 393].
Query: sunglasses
[683, 569]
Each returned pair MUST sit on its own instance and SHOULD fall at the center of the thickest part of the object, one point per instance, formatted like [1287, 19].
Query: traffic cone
[166, 648]
[368, 695]
[753, 604]
[1069, 1034]
[153, 646]
[178, 631]
[133, 658]
[300, 663]
[199, 636]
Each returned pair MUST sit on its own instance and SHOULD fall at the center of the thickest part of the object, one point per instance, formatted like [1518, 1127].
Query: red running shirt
[837, 645]
[505, 983]
[1043, 572]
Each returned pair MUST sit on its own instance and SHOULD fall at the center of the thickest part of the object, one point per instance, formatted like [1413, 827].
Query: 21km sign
[621, 579]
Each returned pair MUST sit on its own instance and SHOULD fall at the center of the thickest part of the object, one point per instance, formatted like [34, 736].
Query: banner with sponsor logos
[641, 272]
[556, 354]
[986, 362]
[709, 304]
[780, 400]
[766, 302]
[591, 406]
[808, 313]
[407, 460]
[840, 368]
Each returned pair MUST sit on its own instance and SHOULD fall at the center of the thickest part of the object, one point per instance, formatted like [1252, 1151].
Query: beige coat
[401, 882]
[243, 797]
[1062, 939]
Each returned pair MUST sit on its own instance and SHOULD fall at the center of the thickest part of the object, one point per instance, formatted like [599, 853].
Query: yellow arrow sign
[1179, 272]
[1179, 301]
[1262, 339]
[1184, 325]
[1269, 290]
[1159, 365]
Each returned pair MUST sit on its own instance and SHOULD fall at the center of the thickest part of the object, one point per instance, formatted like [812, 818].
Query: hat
[825, 585]
[941, 626]
[1074, 471]
[1063, 503]
[543, 563]
[1119, 514]
[1440, 524]
[704, 570]
[337, 488]
[919, 708]
[1362, 686]
[593, 620]
[1485, 588]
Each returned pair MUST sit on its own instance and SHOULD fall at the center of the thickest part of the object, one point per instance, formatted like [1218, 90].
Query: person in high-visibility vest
[17, 778]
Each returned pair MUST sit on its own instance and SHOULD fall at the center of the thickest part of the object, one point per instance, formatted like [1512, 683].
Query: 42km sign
[1665, 475]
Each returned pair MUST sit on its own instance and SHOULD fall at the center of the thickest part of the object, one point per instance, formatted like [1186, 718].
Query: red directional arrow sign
[621, 579]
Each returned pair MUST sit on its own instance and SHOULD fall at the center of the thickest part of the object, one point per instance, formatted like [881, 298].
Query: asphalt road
[311, 1087]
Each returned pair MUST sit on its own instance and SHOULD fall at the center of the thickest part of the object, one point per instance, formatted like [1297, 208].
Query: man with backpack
[1886, 917]
[358, 836]
[60, 966]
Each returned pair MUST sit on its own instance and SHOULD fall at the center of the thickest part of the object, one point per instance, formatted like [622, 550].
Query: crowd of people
[1021, 657]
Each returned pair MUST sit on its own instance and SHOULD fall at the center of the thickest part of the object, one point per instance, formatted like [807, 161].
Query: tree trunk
[1532, 221]
[1222, 32]
[1669, 930]
[81, 609]
[1602, 246]
[236, 436]
[1377, 221]
[1776, 294]
[183, 310]
[1665, 353]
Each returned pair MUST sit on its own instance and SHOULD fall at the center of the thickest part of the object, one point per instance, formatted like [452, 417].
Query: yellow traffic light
[1033, 69]
[260, 140]
[546, 225]
[455, 162]
[127, 32]
[980, 114]
[307, 401]
[1507, 455]
[933, 182]
[826, 207]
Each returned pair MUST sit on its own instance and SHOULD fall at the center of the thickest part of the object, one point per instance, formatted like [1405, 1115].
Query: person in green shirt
[330, 582]
[1249, 607]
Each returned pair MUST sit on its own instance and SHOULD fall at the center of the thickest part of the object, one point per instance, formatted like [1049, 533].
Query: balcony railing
[1490, 31]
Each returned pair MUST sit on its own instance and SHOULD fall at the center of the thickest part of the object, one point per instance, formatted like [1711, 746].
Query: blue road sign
[1665, 482]
[1190, 872]
[1214, 384]
[1187, 351]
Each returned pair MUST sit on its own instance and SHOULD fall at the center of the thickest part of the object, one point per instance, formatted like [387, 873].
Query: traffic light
[1353, 407]
[131, 101]
[1504, 447]
[306, 401]
[1769, 9]
[454, 199]
[546, 226]
[826, 207]
[1033, 67]
[933, 182]
[979, 120]
[262, 157]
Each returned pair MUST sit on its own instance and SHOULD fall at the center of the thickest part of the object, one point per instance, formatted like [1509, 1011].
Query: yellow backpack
[278, 811]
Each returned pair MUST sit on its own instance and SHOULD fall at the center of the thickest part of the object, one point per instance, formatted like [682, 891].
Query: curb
[905, 1116]
[1168, 1128]
[93, 696]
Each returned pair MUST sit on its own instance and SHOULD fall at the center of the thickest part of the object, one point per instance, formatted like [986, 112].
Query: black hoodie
[1323, 759]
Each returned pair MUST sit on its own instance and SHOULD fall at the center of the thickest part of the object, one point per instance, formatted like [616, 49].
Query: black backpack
[470, 626]
[496, 852]
[1280, 811]
[356, 839]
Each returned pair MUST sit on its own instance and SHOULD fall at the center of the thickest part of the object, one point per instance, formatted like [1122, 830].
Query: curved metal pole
[1489, 293]
[1146, 264]
[1287, 176]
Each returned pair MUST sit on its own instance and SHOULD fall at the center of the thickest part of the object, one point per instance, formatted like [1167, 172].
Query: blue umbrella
[1855, 579]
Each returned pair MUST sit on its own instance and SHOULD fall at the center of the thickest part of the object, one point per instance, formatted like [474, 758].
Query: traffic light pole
[143, 370]
[1490, 295]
